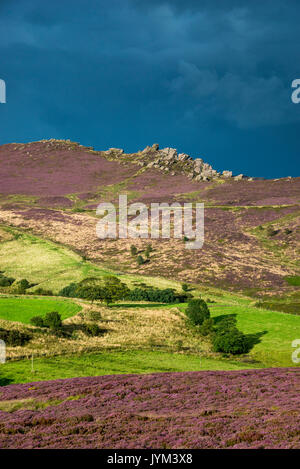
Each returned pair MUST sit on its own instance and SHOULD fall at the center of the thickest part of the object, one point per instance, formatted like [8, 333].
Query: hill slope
[53, 188]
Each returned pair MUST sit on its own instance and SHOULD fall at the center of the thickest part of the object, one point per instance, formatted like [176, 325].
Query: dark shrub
[133, 250]
[42, 292]
[91, 293]
[207, 327]
[185, 287]
[95, 316]
[69, 291]
[6, 281]
[37, 321]
[92, 330]
[14, 338]
[24, 284]
[270, 231]
[228, 322]
[197, 311]
[21, 286]
[140, 260]
[230, 341]
[166, 295]
[53, 320]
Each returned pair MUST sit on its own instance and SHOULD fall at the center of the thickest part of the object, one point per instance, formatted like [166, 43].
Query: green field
[42, 262]
[271, 332]
[107, 363]
[22, 309]
[53, 266]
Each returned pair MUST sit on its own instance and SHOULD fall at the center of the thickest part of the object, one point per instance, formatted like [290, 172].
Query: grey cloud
[246, 101]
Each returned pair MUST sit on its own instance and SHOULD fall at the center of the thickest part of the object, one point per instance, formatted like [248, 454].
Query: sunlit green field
[53, 266]
[22, 309]
[271, 332]
[108, 363]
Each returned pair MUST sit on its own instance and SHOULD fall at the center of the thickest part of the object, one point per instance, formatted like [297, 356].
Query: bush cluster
[69, 291]
[52, 320]
[42, 292]
[167, 295]
[13, 337]
[225, 336]
[6, 281]
[197, 311]
[109, 289]
[92, 330]
[230, 340]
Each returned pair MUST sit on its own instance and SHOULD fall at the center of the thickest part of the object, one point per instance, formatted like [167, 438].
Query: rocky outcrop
[169, 161]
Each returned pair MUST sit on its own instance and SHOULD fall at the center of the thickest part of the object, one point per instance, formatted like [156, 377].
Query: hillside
[247, 273]
[52, 188]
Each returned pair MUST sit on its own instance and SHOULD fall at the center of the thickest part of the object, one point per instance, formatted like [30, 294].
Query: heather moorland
[75, 309]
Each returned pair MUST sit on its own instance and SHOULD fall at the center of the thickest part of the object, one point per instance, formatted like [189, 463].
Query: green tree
[91, 293]
[230, 340]
[37, 321]
[114, 289]
[185, 287]
[53, 320]
[197, 311]
[207, 327]
[22, 286]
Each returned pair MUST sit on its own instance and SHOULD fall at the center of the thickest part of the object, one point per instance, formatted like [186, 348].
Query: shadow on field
[254, 339]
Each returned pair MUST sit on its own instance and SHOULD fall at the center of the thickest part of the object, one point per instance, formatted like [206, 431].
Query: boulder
[239, 177]
[116, 150]
[227, 174]
[169, 153]
[198, 165]
[147, 149]
[183, 157]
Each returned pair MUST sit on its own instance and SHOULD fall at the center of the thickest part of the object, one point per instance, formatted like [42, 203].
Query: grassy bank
[107, 363]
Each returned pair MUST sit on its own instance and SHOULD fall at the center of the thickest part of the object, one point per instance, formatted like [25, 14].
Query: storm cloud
[208, 77]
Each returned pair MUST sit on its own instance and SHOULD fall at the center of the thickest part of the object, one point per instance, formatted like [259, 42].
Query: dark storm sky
[210, 78]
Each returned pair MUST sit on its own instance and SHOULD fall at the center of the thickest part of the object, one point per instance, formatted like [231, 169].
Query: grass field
[49, 265]
[272, 332]
[22, 309]
[138, 338]
[107, 363]
[53, 266]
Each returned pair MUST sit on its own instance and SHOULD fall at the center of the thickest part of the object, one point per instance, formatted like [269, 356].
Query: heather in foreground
[237, 409]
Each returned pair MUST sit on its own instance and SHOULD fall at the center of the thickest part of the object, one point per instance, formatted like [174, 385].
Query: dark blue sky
[210, 78]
